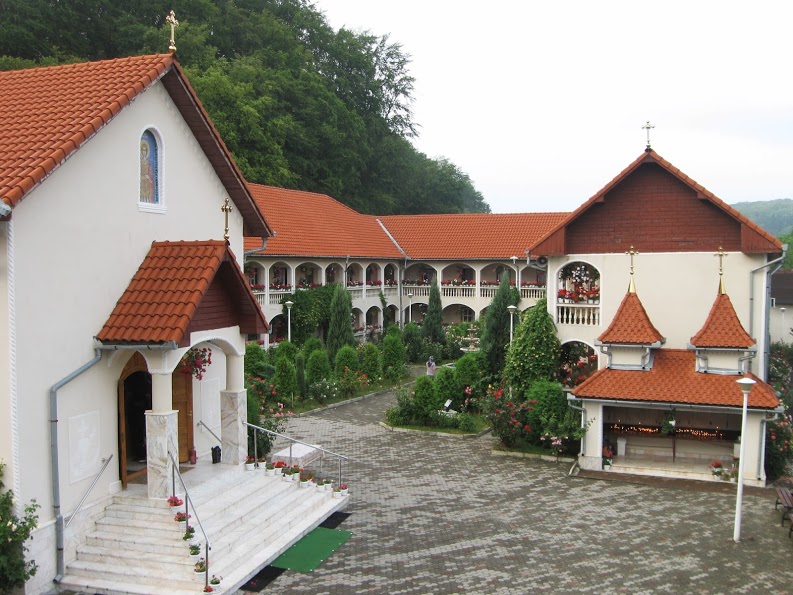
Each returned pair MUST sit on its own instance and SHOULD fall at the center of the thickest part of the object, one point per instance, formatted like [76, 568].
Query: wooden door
[131, 424]
[183, 403]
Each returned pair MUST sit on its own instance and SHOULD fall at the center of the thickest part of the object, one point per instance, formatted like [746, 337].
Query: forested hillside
[298, 104]
[775, 216]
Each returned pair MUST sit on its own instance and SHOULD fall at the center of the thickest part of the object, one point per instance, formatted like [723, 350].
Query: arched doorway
[134, 399]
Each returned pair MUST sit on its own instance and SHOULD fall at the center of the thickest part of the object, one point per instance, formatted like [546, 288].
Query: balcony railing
[532, 293]
[584, 315]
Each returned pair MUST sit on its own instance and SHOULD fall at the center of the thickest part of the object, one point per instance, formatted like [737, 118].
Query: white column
[162, 437]
[235, 373]
[161, 392]
[233, 433]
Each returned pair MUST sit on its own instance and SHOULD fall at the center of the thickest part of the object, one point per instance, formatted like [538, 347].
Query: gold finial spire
[226, 209]
[648, 127]
[721, 254]
[632, 252]
[171, 20]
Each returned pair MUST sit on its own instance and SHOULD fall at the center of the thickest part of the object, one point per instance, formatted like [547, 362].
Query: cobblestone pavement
[433, 514]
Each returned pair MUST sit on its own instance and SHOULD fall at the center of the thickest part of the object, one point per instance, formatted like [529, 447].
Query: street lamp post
[410, 307]
[746, 387]
[512, 309]
[289, 305]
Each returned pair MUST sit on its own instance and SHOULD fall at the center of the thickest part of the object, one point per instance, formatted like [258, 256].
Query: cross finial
[721, 254]
[632, 252]
[171, 20]
[226, 209]
[647, 126]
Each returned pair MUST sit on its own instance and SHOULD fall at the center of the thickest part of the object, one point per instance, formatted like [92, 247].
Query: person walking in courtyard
[431, 367]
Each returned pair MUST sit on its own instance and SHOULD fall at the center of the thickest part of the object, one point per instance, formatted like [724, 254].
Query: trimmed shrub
[371, 363]
[414, 343]
[311, 345]
[425, 399]
[393, 357]
[318, 367]
[284, 380]
[346, 358]
[324, 390]
[300, 374]
[286, 349]
[447, 387]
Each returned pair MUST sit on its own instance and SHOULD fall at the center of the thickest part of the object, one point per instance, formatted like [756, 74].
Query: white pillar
[233, 432]
[235, 372]
[161, 392]
[162, 437]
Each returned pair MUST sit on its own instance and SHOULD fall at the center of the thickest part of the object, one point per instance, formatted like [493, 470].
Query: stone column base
[233, 432]
[162, 437]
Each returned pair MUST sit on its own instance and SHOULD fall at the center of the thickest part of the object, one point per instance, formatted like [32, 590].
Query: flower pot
[337, 494]
[343, 492]
[249, 466]
[270, 472]
[201, 576]
[195, 556]
[183, 525]
[327, 487]
[305, 484]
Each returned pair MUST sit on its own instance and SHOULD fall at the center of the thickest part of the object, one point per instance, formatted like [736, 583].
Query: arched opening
[355, 275]
[278, 328]
[390, 275]
[307, 276]
[578, 283]
[578, 361]
[333, 274]
[373, 275]
[280, 277]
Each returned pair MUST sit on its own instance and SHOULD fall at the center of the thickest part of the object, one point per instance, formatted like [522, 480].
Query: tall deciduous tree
[340, 328]
[432, 327]
[534, 354]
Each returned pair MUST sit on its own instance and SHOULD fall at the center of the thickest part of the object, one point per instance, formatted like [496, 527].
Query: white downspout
[764, 339]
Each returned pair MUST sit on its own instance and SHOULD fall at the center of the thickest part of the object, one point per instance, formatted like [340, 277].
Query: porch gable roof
[48, 113]
[674, 379]
[751, 238]
[722, 328]
[631, 325]
[176, 290]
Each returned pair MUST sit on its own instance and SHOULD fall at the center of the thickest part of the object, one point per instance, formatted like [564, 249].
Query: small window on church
[150, 198]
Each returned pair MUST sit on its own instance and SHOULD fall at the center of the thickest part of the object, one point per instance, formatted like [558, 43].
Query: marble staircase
[251, 518]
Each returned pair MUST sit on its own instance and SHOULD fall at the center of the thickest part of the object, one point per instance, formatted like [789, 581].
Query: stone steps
[250, 518]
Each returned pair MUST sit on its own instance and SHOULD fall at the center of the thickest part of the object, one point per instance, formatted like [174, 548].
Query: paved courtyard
[438, 515]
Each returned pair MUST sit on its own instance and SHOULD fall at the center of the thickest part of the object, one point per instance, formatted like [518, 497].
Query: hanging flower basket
[195, 362]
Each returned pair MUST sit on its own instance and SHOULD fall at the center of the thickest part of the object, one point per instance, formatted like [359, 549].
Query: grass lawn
[311, 404]
[481, 424]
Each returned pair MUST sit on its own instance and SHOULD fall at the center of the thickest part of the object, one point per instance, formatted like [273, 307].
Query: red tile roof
[754, 239]
[722, 328]
[470, 236]
[631, 325]
[310, 224]
[167, 290]
[673, 379]
[46, 114]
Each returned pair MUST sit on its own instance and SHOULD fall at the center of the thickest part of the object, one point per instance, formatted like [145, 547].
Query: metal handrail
[187, 502]
[96, 479]
[293, 440]
[201, 423]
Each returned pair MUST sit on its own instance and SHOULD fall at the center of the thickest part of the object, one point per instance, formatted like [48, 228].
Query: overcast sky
[542, 103]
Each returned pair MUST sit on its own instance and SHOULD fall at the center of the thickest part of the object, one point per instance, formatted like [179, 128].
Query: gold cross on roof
[632, 252]
[171, 20]
[226, 209]
[722, 255]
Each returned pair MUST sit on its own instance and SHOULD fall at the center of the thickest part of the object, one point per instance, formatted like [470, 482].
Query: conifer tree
[340, 328]
[495, 333]
[432, 327]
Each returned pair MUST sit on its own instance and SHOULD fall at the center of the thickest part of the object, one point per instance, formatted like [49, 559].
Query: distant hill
[775, 216]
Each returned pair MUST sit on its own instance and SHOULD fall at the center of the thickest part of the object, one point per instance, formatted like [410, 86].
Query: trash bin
[215, 454]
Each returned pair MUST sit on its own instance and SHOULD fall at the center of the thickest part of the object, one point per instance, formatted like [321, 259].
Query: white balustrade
[277, 297]
[356, 293]
[458, 291]
[488, 292]
[532, 293]
[583, 315]
[416, 290]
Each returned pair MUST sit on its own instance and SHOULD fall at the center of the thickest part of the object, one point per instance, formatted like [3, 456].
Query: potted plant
[250, 463]
[195, 550]
[189, 533]
[200, 568]
[174, 501]
[215, 580]
[343, 488]
[306, 478]
[269, 469]
[608, 456]
[208, 589]
[337, 491]
[181, 518]
[279, 467]
[262, 462]
[716, 468]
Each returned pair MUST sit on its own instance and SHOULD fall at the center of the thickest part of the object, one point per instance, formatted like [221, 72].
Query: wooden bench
[785, 498]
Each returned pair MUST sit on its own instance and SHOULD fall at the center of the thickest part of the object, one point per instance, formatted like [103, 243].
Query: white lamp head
[289, 305]
[746, 384]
